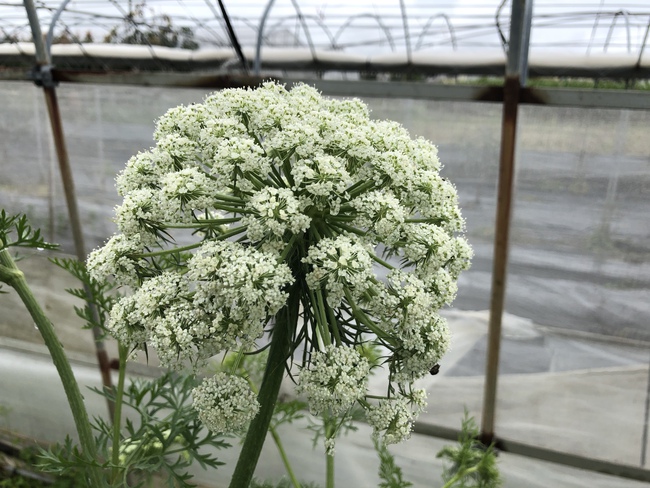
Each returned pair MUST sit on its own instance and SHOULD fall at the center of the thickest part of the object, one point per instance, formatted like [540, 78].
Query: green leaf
[99, 297]
[389, 472]
[472, 465]
[16, 231]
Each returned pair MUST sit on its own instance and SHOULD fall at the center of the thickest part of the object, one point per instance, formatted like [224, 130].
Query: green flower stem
[459, 475]
[342, 218]
[253, 179]
[228, 198]
[279, 445]
[349, 228]
[286, 321]
[8, 275]
[323, 318]
[424, 221]
[226, 208]
[189, 247]
[117, 419]
[322, 326]
[360, 187]
[286, 167]
[202, 223]
[330, 471]
[325, 230]
[163, 252]
[285, 459]
[288, 248]
[231, 233]
[75, 399]
[376, 397]
[363, 318]
[334, 325]
[276, 176]
[256, 180]
[381, 261]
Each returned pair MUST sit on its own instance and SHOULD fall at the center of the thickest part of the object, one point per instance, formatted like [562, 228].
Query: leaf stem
[285, 459]
[71, 387]
[459, 475]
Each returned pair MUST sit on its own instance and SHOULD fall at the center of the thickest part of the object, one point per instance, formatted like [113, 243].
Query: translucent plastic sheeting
[579, 271]
[574, 353]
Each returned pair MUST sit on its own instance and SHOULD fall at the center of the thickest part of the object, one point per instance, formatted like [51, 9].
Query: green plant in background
[15, 232]
[389, 472]
[472, 464]
[167, 436]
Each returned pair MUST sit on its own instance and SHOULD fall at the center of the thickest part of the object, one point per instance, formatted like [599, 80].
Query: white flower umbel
[336, 378]
[273, 212]
[225, 403]
[392, 419]
[238, 287]
[292, 209]
[116, 259]
[339, 264]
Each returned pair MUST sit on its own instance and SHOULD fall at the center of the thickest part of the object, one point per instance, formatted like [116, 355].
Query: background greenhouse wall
[574, 371]
[574, 367]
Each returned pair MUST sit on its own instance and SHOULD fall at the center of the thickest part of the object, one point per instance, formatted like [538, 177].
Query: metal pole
[511, 91]
[233, 37]
[50, 32]
[646, 414]
[43, 77]
[257, 64]
[407, 35]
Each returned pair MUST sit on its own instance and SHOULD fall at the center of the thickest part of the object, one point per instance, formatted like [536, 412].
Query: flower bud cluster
[336, 378]
[392, 419]
[225, 403]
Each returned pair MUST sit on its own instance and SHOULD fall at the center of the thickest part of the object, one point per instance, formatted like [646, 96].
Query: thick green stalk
[330, 471]
[286, 321]
[117, 419]
[75, 399]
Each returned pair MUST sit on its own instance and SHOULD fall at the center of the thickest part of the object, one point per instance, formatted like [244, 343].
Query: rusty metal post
[511, 91]
[43, 77]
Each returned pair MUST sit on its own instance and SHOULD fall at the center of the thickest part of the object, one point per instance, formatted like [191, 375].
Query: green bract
[269, 189]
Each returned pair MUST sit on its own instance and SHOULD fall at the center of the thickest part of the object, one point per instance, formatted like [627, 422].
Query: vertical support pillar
[44, 78]
[516, 64]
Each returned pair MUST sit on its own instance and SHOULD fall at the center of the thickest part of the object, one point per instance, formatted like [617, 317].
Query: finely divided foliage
[282, 188]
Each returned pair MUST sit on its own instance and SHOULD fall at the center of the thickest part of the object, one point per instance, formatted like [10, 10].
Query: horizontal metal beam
[561, 97]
